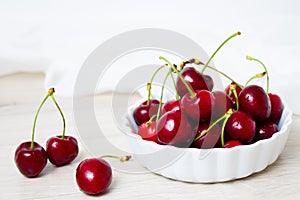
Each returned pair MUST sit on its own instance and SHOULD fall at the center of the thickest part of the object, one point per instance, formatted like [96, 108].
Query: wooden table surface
[21, 94]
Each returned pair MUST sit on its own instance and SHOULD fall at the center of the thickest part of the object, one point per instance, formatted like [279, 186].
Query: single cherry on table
[94, 175]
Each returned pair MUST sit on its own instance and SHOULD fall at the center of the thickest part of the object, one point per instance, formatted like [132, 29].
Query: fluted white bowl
[209, 165]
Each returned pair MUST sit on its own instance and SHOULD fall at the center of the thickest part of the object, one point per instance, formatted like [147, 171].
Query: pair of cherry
[31, 158]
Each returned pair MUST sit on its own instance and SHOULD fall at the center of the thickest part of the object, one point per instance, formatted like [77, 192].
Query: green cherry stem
[120, 158]
[233, 90]
[62, 116]
[149, 85]
[197, 62]
[227, 115]
[150, 120]
[162, 94]
[174, 83]
[50, 92]
[190, 90]
[260, 75]
[210, 127]
[267, 73]
[225, 41]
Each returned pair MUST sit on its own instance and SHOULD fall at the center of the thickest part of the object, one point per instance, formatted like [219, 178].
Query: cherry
[94, 175]
[266, 130]
[198, 108]
[276, 108]
[62, 149]
[232, 143]
[254, 100]
[240, 126]
[175, 129]
[148, 131]
[209, 82]
[145, 111]
[210, 139]
[31, 157]
[229, 91]
[194, 78]
[170, 105]
[30, 161]
[222, 104]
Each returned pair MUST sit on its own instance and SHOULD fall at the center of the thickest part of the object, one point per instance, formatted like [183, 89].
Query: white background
[56, 37]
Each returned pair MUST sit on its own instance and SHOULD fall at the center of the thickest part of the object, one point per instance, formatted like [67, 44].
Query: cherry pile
[200, 117]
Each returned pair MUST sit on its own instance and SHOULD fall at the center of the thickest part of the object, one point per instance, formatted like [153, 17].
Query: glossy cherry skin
[30, 162]
[148, 131]
[93, 176]
[232, 97]
[266, 130]
[144, 112]
[198, 108]
[209, 81]
[232, 143]
[211, 139]
[276, 108]
[175, 129]
[194, 79]
[254, 100]
[222, 104]
[241, 126]
[170, 105]
[61, 151]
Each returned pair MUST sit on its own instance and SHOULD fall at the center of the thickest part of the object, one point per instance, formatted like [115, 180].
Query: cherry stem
[233, 90]
[62, 116]
[227, 115]
[174, 83]
[162, 94]
[190, 90]
[197, 62]
[225, 41]
[150, 120]
[149, 85]
[210, 127]
[260, 75]
[120, 158]
[50, 92]
[267, 73]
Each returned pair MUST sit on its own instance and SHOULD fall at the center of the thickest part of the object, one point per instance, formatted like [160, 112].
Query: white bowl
[209, 165]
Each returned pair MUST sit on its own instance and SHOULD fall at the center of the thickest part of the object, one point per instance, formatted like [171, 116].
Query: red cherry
[30, 162]
[144, 112]
[174, 128]
[209, 81]
[222, 104]
[240, 126]
[198, 108]
[276, 108]
[232, 97]
[266, 130]
[170, 105]
[210, 139]
[93, 176]
[194, 78]
[62, 151]
[148, 131]
[254, 100]
[232, 143]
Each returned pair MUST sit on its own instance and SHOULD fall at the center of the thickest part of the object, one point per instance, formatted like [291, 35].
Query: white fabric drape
[55, 37]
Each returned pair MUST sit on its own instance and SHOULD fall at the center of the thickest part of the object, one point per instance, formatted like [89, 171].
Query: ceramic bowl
[209, 165]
